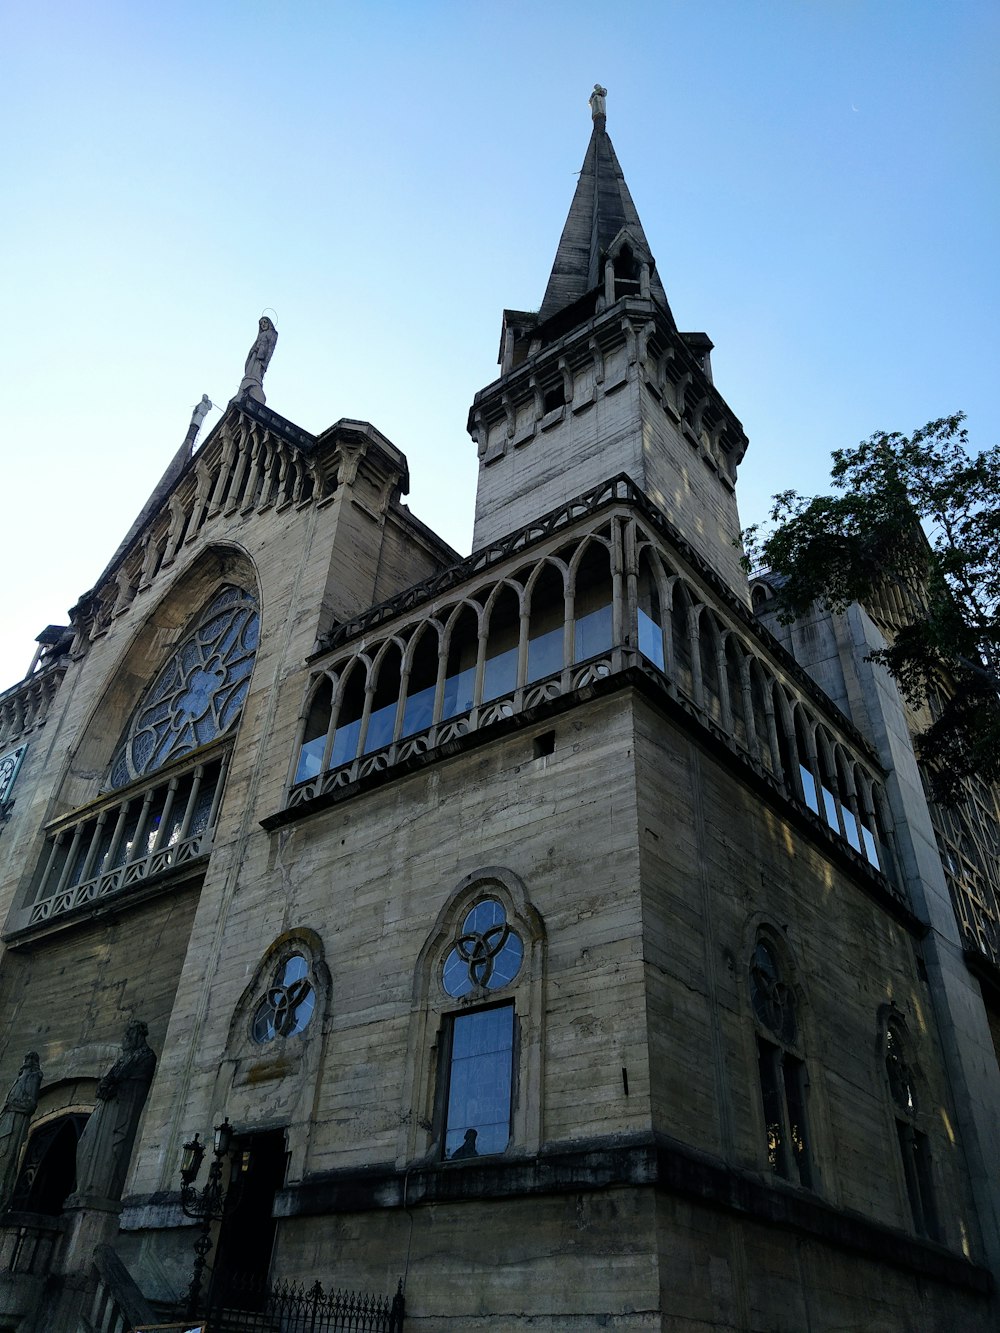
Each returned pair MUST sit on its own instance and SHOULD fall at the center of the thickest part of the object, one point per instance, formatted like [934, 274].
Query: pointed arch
[681, 636]
[591, 596]
[422, 662]
[314, 728]
[349, 711]
[503, 614]
[737, 688]
[477, 919]
[546, 592]
[904, 1098]
[775, 997]
[383, 691]
[459, 658]
[709, 640]
[762, 712]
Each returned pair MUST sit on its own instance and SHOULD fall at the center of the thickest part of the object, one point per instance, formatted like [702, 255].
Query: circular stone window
[288, 1004]
[487, 955]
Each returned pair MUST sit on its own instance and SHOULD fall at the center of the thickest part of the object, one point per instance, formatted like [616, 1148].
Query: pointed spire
[601, 208]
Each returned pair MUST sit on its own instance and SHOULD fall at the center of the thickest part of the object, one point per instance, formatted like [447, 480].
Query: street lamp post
[205, 1205]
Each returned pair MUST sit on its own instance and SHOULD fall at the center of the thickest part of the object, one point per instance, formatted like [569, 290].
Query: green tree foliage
[913, 533]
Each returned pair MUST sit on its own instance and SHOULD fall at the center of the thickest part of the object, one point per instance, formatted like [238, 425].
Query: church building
[544, 938]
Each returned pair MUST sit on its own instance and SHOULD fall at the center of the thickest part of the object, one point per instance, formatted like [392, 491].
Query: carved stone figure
[203, 408]
[258, 359]
[14, 1121]
[598, 106]
[106, 1143]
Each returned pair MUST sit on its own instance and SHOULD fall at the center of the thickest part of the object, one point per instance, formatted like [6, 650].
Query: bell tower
[599, 381]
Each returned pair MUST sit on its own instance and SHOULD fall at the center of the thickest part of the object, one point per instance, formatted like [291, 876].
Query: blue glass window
[458, 692]
[809, 788]
[545, 654]
[593, 633]
[480, 1071]
[650, 639]
[501, 675]
[418, 712]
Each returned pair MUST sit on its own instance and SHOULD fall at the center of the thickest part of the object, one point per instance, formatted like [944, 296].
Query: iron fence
[249, 1306]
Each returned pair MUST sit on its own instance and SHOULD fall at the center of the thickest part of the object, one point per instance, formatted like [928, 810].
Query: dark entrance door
[246, 1237]
[49, 1171]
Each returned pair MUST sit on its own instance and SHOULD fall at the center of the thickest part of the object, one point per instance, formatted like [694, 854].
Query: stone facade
[561, 939]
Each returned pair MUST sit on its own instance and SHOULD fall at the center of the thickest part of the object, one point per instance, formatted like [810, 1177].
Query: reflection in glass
[479, 1087]
[501, 675]
[458, 692]
[593, 633]
[809, 788]
[650, 639]
[545, 654]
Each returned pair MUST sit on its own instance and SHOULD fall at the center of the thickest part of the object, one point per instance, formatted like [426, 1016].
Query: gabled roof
[601, 208]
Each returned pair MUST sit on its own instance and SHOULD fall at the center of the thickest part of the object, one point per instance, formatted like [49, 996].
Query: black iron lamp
[194, 1151]
[223, 1138]
[206, 1205]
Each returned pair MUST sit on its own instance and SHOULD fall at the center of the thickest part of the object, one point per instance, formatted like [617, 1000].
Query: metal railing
[249, 1306]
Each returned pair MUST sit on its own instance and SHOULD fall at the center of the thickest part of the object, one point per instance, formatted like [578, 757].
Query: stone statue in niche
[105, 1146]
[14, 1121]
[258, 359]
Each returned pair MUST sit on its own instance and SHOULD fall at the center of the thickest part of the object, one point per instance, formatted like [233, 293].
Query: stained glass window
[487, 954]
[288, 1004]
[200, 692]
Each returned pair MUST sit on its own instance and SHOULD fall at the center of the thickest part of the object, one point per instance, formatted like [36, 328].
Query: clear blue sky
[818, 180]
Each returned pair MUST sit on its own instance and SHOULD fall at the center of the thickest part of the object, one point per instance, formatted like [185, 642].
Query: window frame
[915, 1162]
[428, 1069]
[782, 1072]
[446, 1073]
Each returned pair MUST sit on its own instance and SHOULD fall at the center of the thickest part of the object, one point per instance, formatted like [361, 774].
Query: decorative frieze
[25, 706]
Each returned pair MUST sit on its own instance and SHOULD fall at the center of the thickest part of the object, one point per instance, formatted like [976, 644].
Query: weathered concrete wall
[719, 861]
[70, 1000]
[834, 650]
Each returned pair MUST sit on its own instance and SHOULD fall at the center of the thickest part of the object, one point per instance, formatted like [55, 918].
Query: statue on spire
[258, 359]
[599, 106]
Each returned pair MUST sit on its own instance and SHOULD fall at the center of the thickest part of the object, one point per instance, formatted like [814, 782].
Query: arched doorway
[48, 1175]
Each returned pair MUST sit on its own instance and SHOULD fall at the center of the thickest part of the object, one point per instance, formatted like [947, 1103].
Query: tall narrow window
[480, 1068]
[781, 1071]
[913, 1146]
[485, 957]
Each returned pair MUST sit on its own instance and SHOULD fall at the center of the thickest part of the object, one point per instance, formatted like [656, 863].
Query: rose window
[486, 956]
[199, 693]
